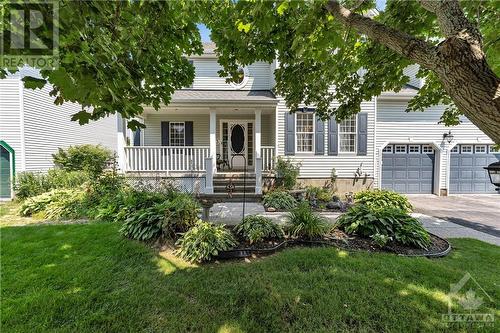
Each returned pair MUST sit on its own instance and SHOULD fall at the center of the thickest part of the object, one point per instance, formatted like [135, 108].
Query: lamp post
[448, 137]
[494, 173]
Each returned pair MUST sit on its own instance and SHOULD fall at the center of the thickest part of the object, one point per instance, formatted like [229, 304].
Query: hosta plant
[379, 199]
[204, 241]
[56, 204]
[302, 222]
[391, 222]
[279, 200]
[256, 229]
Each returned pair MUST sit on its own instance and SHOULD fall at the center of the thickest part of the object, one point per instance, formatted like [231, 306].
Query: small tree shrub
[181, 213]
[279, 200]
[256, 229]
[286, 173]
[304, 223]
[90, 158]
[204, 241]
[383, 199]
[392, 223]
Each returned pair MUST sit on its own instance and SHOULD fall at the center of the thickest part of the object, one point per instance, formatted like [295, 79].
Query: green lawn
[86, 278]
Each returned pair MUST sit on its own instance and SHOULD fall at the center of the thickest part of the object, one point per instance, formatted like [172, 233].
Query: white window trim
[455, 150]
[431, 149]
[465, 152]
[480, 152]
[414, 152]
[400, 152]
[355, 151]
[244, 81]
[297, 152]
[170, 133]
[390, 149]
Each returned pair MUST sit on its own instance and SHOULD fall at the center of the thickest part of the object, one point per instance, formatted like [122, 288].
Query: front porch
[207, 142]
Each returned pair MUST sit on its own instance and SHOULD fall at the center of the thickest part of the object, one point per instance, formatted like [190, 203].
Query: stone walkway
[230, 213]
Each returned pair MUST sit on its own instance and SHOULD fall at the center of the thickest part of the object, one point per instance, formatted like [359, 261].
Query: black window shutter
[137, 137]
[362, 133]
[333, 137]
[289, 133]
[165, 138]
[319, 137]
[188, 131]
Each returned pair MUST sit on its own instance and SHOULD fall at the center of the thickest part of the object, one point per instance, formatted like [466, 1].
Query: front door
[238, 144]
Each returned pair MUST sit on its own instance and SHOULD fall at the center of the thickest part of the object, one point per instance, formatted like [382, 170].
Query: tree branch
[402, 43]
[451, 19]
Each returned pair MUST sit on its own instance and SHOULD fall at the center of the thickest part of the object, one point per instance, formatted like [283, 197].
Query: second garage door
[467, 173]
[408, 168]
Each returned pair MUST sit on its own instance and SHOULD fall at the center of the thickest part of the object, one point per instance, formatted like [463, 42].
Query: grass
[9, 215]
[86, 278]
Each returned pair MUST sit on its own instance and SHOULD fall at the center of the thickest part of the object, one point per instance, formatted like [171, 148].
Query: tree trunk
[472, 85]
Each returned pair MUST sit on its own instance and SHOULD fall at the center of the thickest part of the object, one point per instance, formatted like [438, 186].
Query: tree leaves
[33, 82]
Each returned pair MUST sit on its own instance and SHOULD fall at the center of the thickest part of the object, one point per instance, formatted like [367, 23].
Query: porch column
[258, 159]
[211, 161]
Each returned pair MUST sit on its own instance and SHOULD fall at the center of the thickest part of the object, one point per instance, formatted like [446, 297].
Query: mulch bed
[438, 248]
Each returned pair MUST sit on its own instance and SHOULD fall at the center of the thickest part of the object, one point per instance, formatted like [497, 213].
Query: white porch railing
[267, 154]
[150, 158]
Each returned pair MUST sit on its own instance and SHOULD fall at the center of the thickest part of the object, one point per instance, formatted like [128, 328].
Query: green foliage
[377, 198]
[146, 223]
[88, 158]
[29, 184]
[204, 241]
[318, 193]
[302, 222]
[286, 173]
[256, 229]
[380, 239]
[279, 199]
[56, 204]
[391, 222]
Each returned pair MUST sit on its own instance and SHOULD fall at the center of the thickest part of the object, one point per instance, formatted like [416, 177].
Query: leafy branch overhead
[121, 56]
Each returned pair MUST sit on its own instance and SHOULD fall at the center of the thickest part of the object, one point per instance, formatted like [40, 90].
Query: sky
[205, 32]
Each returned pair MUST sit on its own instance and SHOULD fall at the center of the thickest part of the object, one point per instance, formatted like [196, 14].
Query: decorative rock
[335, 198]
[334, 205]
[271, 209]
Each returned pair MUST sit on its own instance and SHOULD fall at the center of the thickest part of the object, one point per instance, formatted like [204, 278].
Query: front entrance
[237, 143]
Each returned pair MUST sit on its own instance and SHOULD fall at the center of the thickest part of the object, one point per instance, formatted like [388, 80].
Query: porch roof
[221, 96]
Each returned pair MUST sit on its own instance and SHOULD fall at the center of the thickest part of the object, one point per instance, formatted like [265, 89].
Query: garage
[467, 174]
[408, 168]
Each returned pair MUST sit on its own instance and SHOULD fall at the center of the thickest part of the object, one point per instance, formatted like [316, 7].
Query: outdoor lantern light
[494, 172]
[448, 137]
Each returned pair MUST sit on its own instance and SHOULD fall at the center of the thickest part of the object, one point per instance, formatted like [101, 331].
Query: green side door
[5, 173]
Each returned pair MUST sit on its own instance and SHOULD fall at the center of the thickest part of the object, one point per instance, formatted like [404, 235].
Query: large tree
[120, 56]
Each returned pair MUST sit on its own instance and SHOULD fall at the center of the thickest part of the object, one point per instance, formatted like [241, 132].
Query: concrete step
[238, 188]
[237, 197]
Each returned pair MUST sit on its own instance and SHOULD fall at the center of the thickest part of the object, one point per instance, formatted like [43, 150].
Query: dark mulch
[337, 238]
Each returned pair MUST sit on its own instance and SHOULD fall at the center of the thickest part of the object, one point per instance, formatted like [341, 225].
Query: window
[347, 135]
[466, 149]
[427, 150]
[177, 134]
[455, 149]
[387, 149]
[241, 78]
[305, 131]
[400, 149]
[414, 149]
[480, 149]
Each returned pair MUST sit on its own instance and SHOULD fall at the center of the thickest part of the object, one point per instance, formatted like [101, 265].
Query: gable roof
[191, 95]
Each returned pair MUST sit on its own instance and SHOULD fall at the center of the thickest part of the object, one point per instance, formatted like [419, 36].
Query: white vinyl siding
[207, 76]
[10, 116]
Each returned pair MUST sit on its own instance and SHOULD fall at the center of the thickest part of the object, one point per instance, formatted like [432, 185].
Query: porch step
[237, 197]
[218, 188]
[234, 175]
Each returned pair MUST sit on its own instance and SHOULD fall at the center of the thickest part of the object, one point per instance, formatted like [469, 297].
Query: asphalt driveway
[478, 212]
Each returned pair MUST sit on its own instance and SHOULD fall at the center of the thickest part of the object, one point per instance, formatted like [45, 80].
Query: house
[32, 128]
[244, 124]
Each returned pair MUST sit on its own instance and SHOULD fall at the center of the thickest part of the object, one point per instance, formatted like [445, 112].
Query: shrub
[392, 222]
[380, 239]
[303, 222]
[286, 173]
[30, 184]
[204, 241]
[181, 213]
[279, 200]
[56, 204]
[256, 229]
[146, 223]
[383, 199]
[318, 193]
[89, 158]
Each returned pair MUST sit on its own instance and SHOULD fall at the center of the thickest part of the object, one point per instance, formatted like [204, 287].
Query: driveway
[478, 212]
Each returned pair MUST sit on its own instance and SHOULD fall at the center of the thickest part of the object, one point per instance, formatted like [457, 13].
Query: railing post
[258, 175]
[209, 186]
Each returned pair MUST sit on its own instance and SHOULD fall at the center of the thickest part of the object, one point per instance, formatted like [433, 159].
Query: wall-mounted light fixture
[448, 137]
